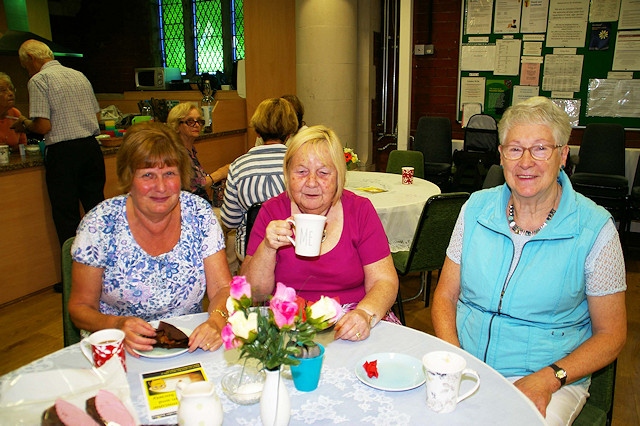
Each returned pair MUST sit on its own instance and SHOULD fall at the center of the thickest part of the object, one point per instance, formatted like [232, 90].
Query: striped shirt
[253, 178]
[65, 97]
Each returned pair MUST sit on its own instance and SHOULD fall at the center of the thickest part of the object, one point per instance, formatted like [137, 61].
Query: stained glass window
[201, 36]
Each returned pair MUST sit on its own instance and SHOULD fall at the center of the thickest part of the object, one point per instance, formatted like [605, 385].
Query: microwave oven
[156, 78]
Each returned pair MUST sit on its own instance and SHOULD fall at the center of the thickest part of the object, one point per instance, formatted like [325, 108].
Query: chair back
[481, 134]
[433, 139]
[598, 410]
[70, 332]
[602, 150]
[252, 214]
[399, 159]
[495, 177]
[431, 239]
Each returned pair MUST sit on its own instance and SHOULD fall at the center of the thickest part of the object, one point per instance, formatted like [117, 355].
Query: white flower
[242, 326]
[326, 309]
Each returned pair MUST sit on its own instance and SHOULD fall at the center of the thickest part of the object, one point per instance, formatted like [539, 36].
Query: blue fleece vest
[540, 315]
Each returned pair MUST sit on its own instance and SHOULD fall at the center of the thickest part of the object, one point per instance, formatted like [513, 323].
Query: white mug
[444, 371]
[309, 231]
[407, 175]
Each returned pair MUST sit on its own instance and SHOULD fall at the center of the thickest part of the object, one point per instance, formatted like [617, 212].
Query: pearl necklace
[516, 229]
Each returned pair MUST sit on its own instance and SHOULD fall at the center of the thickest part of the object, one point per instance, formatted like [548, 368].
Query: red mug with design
[407, 175]
[102, 345]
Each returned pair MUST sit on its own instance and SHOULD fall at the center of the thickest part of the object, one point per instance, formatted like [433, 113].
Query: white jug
[199, 404]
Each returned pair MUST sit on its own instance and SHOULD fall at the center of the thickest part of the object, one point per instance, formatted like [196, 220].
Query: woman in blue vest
[534, 280]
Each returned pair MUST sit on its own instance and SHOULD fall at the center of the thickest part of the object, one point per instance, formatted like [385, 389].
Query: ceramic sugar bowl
[199, 404]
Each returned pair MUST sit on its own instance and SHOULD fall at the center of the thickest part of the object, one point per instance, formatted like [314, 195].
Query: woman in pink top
[355, 263]
[9, 114]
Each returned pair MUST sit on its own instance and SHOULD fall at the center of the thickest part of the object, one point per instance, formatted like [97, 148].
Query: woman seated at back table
[355, 262]
[257, 175]
[153, 252]
[186, 119]
[534, 279]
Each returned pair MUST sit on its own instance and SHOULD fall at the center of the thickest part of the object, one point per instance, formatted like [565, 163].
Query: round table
[339, 399]
[398, 206]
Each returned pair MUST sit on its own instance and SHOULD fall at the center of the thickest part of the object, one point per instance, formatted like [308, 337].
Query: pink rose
[229, 339]
[284, 306]
[240, 287]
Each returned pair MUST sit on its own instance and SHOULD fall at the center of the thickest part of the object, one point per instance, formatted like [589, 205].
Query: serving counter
[30, 259]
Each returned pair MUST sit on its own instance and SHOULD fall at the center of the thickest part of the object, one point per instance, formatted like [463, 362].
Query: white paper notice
[613, 98]
[479, 16]
[472, 90]
[507, 57]
[532, 48]
[629, 15]
[534, 16]
[562, 73]
[567, 23]
[604, 10]
[477, 57]
[507, 17]
[627, 54]
[522, 93]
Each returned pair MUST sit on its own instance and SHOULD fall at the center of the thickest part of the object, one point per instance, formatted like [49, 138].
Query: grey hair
[5, 77]
[537, 110]
[35, 48]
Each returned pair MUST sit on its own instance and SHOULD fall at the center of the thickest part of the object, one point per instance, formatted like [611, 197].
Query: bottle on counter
[206, 105]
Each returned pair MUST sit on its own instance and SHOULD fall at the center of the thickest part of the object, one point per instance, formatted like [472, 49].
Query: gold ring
[208, 345]
[358, 335]
[278, 238]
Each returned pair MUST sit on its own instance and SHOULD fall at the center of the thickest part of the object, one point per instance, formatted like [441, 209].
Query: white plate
[162, 352]
[396, 372]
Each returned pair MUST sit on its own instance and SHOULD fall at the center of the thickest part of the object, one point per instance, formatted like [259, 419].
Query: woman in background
[152, 253]
[9, 114]
[186, 119]
[257, 175]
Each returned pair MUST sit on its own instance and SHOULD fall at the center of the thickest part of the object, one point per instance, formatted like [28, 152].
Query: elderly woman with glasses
[186, 119]
[534, 279]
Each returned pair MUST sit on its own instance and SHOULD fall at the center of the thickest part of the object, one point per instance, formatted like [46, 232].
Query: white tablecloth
[340, 398]
[399, 208]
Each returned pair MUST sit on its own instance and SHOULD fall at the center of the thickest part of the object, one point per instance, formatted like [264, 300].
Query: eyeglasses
[538, 152]
[192, 123]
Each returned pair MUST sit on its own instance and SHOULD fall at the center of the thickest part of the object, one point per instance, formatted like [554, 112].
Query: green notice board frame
[596, 65]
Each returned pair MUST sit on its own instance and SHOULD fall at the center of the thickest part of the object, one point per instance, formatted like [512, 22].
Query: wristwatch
[373, 318]
[561, 374]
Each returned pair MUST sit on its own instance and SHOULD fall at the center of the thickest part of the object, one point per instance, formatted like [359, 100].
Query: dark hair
[297, 105]
[147, 145]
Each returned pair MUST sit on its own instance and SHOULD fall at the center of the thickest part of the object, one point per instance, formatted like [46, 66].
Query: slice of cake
[106, 408]
[64, 413]
[169, 336]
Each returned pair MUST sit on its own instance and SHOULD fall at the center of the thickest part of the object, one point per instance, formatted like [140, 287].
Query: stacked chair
[430, 242]
[600, 172]
[433, 139]
[480, 152]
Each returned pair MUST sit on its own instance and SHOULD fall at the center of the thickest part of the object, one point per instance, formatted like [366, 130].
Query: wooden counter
[30, 259]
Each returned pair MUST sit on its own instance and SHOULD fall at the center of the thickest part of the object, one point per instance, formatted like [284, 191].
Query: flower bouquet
[278, 334]
[351, 158]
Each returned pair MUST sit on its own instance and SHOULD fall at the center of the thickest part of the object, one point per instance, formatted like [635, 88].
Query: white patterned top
[144, 286]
